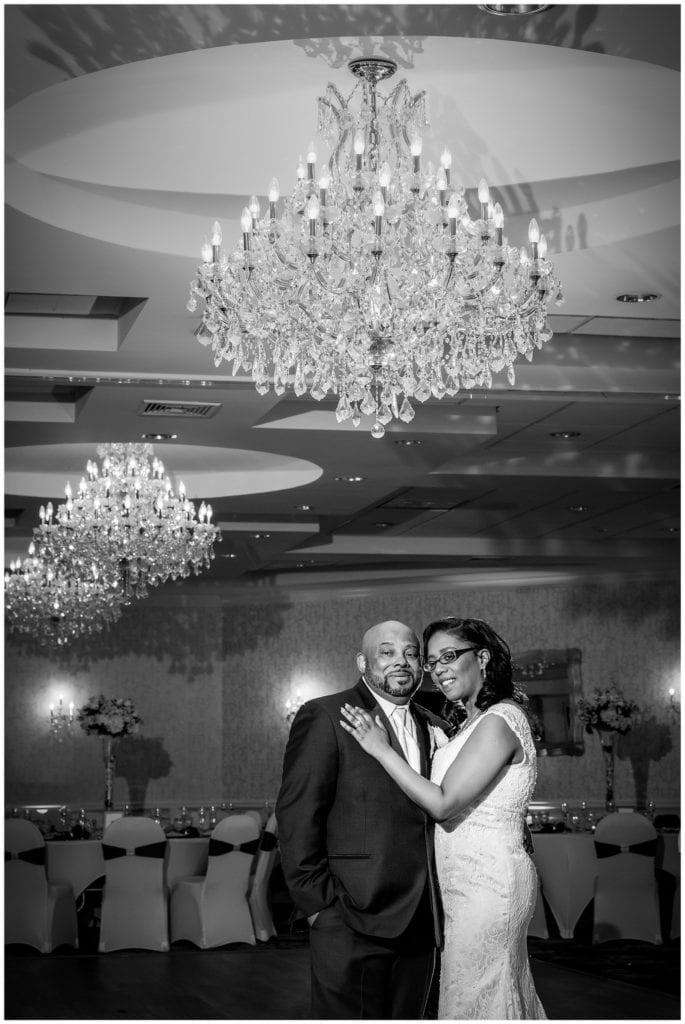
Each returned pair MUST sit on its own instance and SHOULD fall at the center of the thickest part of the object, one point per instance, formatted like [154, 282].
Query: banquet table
[567, 867]
[80, 862]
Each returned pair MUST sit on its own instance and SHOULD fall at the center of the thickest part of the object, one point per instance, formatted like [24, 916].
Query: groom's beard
[393, 684]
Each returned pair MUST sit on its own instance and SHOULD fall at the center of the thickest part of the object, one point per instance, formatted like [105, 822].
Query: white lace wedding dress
[488, 884]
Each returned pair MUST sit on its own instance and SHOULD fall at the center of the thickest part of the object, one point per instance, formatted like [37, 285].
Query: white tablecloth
[567, 867]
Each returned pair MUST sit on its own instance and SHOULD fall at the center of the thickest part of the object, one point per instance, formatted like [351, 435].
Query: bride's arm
[488, 749]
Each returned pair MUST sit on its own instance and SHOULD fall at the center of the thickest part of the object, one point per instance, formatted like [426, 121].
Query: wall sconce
[61, 719]
[293, 705]
[675, 704]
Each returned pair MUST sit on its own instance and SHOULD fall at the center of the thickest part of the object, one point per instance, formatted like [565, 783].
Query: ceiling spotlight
[231, 554]
[303, 508]
[514, 9]
[159, 437]
[565, 434]
[350, 479]
[638, 297]
[260, 536]
[382, 526]
[579, 508]
[408, 442]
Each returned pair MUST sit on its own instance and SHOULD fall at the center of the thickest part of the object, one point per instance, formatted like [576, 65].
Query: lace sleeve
[517, 720]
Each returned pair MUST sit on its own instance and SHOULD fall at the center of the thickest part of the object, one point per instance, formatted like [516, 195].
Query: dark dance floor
[271, 982]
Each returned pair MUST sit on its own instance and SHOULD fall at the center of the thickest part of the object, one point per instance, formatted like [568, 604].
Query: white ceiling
[130, 128]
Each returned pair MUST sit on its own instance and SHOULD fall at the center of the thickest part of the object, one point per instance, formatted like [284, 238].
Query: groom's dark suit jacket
[348, 834]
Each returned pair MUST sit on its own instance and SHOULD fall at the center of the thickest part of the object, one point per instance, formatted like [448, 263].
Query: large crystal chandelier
[126, 519]
[44, 602]
[373, 282]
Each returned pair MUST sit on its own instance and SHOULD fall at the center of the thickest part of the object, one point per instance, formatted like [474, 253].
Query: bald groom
[357, 854]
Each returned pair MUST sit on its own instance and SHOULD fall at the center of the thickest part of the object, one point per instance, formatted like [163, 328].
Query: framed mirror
[552, 680]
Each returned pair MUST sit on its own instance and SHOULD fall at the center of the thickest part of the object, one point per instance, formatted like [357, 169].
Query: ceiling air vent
[188, 410]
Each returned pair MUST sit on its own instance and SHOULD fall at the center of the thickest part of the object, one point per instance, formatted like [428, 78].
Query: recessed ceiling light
[350, 479]
[231, 554]
[638, 297]
[159, 437]
[579, 508]
[261, 536]
[382, 526]
[514, 9]
[672, 529]
[303, 508]
[671, 398]
[565, 434]
[408, 442]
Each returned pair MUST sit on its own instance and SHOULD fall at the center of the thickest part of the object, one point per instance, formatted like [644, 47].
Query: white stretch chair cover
[258, 899]
[134, 902]
[626, 900]
[254, 813]
[38, 913]
[213, 910]
[675, 920]
[538, 922]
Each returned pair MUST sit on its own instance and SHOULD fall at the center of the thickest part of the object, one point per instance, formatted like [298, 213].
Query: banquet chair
[258, 896]
[212, 910]
[626, 904]
[38, 913]
[134, 902]
[538, 922]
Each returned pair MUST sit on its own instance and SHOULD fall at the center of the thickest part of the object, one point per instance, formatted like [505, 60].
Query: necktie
[405, 729]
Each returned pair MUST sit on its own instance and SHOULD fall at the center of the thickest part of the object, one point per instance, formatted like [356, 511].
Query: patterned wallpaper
[211, 678]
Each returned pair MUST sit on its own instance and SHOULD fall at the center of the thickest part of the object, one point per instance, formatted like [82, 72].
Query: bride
[481, 783]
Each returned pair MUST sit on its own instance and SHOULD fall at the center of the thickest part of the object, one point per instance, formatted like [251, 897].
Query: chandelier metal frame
[372, 282]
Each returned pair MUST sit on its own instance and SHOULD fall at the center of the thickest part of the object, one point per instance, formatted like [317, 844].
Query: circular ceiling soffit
[42, 471]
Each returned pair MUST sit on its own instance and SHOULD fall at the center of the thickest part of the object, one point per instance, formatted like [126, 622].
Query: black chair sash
[217, 847]
[646, 849]
[34, 856]
[156, 850]
[268, 841]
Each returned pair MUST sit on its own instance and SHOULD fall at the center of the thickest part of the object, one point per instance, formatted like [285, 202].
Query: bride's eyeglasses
[446, 659]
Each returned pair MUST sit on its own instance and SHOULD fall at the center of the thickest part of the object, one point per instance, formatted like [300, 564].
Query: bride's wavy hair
[498, 683]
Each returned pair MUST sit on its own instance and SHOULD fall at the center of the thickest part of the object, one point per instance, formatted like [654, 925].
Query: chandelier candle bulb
[324, 183]
[446, 163]
[483, 198]
[301, 172]
[255, 210]
[441, 182]
[359, 146]
[274, 194]
[311, 162]
[498, 218]
[416, 147]
[246, 225]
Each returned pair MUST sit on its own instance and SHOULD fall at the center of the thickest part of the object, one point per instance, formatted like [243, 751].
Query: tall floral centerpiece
[608, 713]
[110, 718]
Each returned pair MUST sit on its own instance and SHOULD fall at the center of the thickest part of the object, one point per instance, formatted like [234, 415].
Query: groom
[357, 854]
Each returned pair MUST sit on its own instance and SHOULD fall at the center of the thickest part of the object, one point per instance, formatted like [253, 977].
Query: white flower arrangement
[607, 711]
[108, 716]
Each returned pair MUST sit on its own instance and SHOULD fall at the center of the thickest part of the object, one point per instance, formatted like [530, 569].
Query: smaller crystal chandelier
[61, 720]
[373, 282]
[127, 520]
[50, 606]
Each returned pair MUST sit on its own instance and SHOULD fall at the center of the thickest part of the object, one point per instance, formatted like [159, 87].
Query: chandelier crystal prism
[372, 282]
